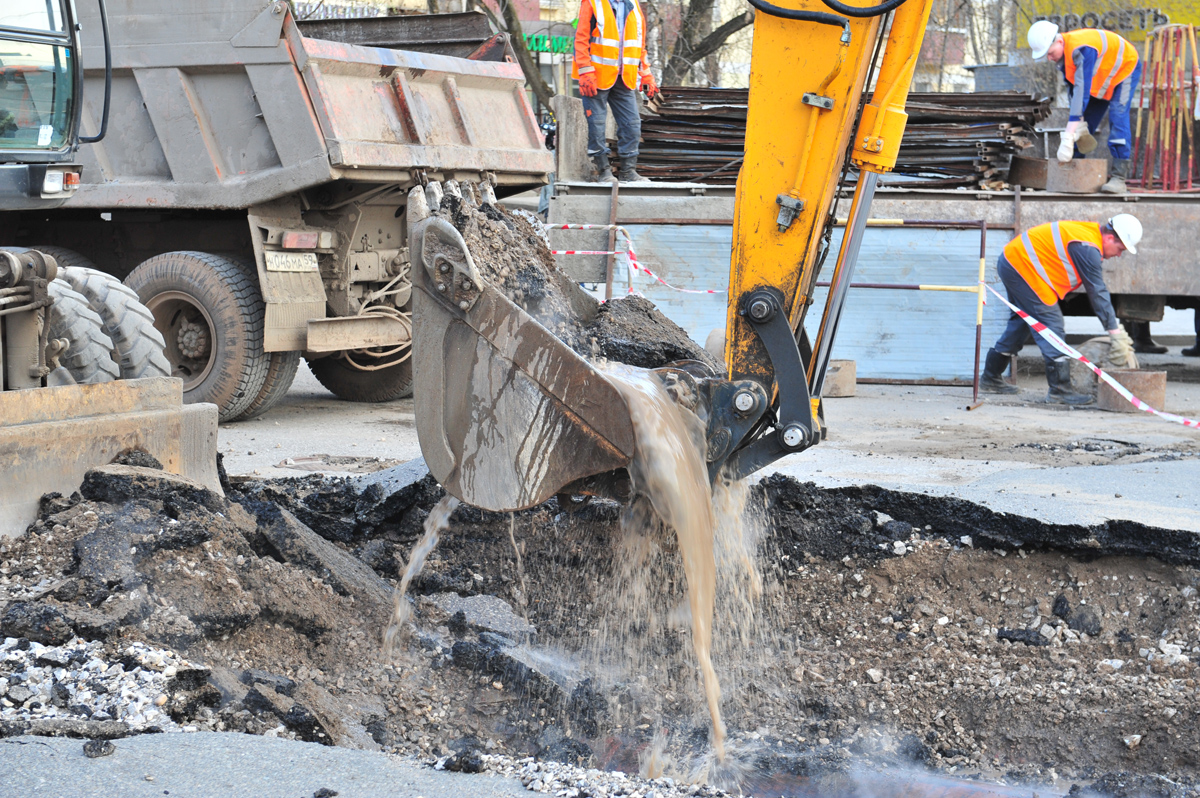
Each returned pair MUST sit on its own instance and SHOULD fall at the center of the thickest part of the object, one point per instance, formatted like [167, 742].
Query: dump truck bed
[224, 104]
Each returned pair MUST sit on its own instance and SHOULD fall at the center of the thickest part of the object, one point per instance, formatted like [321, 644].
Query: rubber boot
[604, 173]
[1192, 351]
[1058, 375]
[1116, 178]
[992, 379]
[628, 171]
[1139, 331]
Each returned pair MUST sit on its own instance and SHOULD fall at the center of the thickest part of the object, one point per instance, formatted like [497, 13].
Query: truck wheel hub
[193, 340]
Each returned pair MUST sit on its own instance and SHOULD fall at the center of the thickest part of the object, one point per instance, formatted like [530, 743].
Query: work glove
[1066, 146]
[587, 84]
[1120, 351]
[649, 86]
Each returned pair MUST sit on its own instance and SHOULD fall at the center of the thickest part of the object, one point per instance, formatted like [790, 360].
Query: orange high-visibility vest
[1115, 61]
[1040, 256]
[614, 52]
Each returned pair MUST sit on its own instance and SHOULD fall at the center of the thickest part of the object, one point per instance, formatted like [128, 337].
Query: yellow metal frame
[796, 150]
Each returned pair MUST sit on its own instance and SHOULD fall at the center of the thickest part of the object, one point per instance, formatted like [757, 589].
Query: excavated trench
[894, 633]
[872, 642]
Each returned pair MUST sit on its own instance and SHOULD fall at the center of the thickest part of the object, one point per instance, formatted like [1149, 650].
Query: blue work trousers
[1120, 131]
[624, 103]
[1017, 333]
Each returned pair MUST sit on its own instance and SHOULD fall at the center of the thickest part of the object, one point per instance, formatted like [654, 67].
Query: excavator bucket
[508, 415]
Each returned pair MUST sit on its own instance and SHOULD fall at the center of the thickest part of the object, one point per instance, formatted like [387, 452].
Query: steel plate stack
[694, 135]
[697, 135]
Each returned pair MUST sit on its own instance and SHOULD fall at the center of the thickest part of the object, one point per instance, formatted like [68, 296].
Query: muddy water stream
[435, 524]
[669, 469]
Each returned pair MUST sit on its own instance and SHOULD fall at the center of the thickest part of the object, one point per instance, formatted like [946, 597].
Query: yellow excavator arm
[810, 67]
[508, 415]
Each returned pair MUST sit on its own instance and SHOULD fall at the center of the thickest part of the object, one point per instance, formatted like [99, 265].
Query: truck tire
[281, 371]
[346, 382]
[89, 358]
[137, 345]
[65, 257]
[211, 315]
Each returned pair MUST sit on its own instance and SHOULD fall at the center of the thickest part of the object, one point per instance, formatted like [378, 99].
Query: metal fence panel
[891, 334]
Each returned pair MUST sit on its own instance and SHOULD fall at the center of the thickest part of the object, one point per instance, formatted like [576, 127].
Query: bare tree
[697, 39]
[516, 34]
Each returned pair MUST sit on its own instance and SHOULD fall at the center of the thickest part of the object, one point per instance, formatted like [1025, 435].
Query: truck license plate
[291, 261]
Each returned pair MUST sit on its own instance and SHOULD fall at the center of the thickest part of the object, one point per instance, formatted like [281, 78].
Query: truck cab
[40, 80]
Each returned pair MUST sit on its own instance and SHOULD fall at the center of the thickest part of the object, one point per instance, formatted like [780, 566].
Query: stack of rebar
[1168, 104]
[697, 135]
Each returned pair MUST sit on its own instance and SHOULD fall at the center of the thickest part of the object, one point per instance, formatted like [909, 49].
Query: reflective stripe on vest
[1115, 59]
[1051, 274]
[611, 56]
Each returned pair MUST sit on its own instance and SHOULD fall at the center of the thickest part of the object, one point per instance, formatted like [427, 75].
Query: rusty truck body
[252, 184]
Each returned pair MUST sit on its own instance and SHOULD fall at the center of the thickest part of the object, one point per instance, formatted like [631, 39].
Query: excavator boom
[511, 416]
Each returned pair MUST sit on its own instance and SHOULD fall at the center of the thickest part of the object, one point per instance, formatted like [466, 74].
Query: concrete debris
[558, 778]
[299, 545]
[484, 614]
[86, 689]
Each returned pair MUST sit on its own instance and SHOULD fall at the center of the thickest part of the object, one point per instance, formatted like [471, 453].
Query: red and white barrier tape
[634, 265]
[1070, 351]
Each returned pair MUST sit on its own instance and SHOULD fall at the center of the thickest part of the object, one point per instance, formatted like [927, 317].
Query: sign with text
[1131, 21]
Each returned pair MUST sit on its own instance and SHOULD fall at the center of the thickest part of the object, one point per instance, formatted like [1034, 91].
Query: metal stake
[843, 274]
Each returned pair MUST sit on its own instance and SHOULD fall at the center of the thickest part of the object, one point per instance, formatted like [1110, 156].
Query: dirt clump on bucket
[514, 255]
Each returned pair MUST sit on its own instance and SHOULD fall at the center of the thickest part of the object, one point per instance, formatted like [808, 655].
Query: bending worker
[611, 66]
[1102, 70]
[1041, 267]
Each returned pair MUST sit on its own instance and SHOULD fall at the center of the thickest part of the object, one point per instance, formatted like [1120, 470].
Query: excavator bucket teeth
[507, 413]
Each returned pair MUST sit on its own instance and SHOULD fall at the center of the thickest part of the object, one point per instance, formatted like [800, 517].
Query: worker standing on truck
[611, 66]
[1040, 267]
[1103, 71]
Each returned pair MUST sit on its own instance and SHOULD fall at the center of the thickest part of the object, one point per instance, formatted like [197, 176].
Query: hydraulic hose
[871, 11]
[819, 17]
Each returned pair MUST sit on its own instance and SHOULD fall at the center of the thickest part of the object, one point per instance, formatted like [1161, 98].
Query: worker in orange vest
[611, 66]
[1040, 267]
[1103, 71]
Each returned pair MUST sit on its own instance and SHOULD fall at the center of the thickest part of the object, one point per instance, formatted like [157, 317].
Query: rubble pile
[897, 630]
[82, 685]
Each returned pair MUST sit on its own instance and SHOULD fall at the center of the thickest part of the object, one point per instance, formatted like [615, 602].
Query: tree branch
[516, 35]
[713, 41]
[686, 54]
[533, 74]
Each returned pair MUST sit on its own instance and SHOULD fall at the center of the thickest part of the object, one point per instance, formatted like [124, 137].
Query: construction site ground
[1014, 454]
[1038, 635]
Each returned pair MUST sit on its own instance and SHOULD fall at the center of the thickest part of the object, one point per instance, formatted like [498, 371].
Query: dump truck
[252, 185]
[83, 377]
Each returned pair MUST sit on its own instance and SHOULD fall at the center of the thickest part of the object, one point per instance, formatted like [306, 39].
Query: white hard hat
[1128, 229]
[1041, 36]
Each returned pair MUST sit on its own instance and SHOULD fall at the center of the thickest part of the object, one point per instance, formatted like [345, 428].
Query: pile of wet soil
[512, 254]
[896, 629]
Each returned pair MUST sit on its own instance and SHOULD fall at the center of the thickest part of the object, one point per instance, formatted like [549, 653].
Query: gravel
[88, 681]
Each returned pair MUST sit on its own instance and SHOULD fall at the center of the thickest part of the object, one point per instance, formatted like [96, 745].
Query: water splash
[669, 469]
